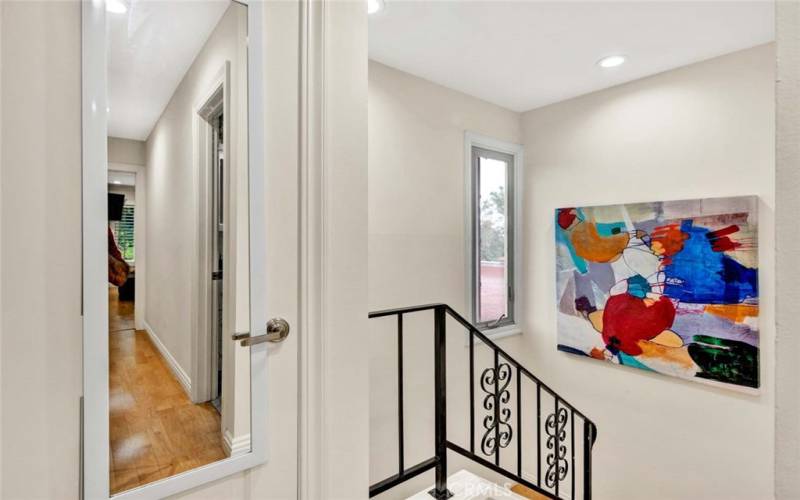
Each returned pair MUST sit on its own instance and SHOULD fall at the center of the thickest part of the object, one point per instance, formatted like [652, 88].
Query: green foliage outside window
[493, 226]
[123, 232]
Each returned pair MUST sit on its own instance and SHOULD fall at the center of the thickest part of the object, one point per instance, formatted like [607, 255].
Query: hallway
[154, 429]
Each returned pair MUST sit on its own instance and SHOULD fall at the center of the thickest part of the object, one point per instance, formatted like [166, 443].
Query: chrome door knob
[277, 330]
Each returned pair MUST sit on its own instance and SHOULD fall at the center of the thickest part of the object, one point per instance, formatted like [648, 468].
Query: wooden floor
[120, 312]
[155, 430]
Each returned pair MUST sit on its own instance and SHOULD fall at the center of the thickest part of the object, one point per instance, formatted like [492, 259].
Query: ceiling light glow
[374, 6]
[116, 182]
[611, 61]
[116, 6]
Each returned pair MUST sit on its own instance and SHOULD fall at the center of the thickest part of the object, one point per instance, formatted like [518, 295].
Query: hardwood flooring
[120, 312]
[155, 429]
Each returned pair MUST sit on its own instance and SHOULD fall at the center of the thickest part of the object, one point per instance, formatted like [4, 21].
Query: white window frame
[471, 140]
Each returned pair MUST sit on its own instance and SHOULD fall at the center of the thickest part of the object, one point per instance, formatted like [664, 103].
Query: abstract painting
[669, 287]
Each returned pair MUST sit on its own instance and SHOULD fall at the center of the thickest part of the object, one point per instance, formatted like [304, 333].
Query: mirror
[178, 259]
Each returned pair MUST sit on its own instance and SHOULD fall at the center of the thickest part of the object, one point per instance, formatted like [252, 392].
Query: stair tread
[467, 486]
[526, 492]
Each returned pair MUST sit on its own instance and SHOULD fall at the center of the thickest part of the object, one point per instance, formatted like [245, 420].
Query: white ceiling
[150, 49]
[527, 54]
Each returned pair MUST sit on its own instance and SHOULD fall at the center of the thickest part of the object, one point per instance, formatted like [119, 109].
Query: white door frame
[334, 353]
[218, 94]
[95, 456]
[139, 236]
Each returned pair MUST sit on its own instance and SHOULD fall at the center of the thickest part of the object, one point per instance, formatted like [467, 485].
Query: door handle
[277, 331]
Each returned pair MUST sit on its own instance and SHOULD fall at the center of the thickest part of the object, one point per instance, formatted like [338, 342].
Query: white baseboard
[235, 446]
[180, 374]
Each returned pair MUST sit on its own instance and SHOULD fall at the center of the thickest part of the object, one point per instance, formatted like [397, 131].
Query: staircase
[561, 461]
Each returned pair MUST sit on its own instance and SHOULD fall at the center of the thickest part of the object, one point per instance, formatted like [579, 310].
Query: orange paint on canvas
[668, 338]
[596, 319]
[595, 248]
[677, 355]
[734, 312]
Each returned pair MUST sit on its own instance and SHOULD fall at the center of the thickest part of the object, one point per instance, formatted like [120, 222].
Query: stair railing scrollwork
[557, 464]
[498, 430]
[553, 465]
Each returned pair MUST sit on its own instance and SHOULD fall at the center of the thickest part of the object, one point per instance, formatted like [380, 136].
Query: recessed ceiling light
[116, 6]
[611, 61]
[374, 6]
[116, 182]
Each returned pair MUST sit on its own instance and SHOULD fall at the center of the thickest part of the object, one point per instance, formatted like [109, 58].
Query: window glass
[493, 237]
[493, 242]
[123, 233]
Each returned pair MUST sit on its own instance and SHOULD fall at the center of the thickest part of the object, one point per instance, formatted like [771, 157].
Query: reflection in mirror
[179, 386]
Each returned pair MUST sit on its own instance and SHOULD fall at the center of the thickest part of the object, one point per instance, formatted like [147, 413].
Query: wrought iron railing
[558, 429]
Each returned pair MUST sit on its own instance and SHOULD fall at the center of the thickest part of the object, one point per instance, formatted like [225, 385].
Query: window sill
[496, 334]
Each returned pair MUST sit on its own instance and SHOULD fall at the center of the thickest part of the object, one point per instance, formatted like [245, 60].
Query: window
[123, 232]
[492, 233]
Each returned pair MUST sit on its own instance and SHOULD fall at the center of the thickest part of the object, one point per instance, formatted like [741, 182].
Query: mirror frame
[94, 474]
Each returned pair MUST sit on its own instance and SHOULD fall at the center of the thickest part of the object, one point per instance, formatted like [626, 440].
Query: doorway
[217, 234]
[122, 250]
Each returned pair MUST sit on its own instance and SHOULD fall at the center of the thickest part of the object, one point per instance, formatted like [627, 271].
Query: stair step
[526, 492]
[467, 486]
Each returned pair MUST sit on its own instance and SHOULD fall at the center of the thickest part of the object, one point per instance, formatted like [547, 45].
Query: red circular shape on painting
[628, 319]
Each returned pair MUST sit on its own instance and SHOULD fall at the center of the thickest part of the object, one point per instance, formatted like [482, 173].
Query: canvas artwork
[669, 287]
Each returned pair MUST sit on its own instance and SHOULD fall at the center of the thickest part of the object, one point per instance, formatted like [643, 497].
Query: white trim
[235, 446]
[95, 274]
[257, 232]
[190, 479]
[500, 333]
[94, 205]
[174, 366]
[517, 151]
[333, 448]
[312, 250]
[201, 285]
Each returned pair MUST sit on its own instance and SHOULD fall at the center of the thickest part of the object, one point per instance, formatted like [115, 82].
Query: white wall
[40, 381]
[700, 131]
[172, 200]
[713, 121]
[1, 255]
[416, 185]
[787, 203]
[40, 203]
[126, 151]
[416, 252]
